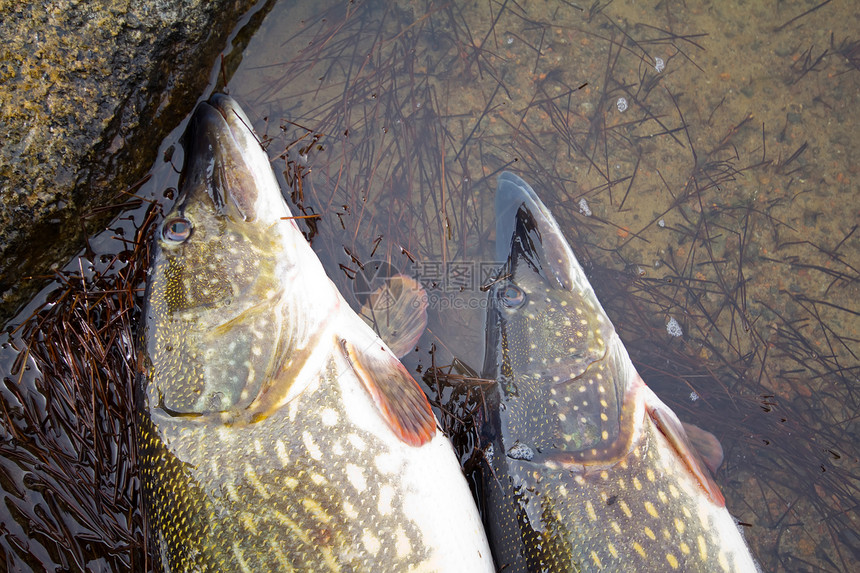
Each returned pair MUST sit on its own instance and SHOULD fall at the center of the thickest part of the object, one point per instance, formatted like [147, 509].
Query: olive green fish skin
[245, 501]
[579, 477]
[261, 449]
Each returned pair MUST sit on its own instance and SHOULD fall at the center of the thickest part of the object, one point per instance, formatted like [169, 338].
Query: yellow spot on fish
[615, 527]
[386, 496]
[401, 543]
[316, 510]
[370, 542]
[603, 416]
[349, 510]
[724, 563]
[637, 484]
[623, 505]
[275, 546]
[329, 417]
[639, 549]
[673, 561]
[604, 474]
[249, 522]
[355, 475]
[357, 442]
[685, 549]
[596, 560]
[231, 492]
[612, 550]
[605, 435]
[252, 478]
[318, 479]
[673, 491]
[652, 511]
[703, 548]
[237, 551]
[291, 482]
[330, 561]
[664, 499]
[650, 533]
[299, 532]
[590, 509]
[313, 449]
[649, 473]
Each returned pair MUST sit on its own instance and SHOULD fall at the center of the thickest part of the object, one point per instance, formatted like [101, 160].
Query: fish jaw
[584, 460]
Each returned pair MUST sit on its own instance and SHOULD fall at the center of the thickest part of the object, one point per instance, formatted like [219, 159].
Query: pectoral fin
[394, 391]
[706, 445]
[397, 311]
[673, 430]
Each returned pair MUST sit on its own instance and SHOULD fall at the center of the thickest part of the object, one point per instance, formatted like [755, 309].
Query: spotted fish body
[587, 470]
[277, 432]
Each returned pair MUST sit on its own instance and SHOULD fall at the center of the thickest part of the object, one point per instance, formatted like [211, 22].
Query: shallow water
[723, 197]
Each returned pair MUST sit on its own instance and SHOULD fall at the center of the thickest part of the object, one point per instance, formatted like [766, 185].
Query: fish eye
[176, 230]
[512, 296]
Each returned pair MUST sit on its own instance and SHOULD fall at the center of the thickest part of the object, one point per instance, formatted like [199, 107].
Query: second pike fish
[277, 432]
[587, 469]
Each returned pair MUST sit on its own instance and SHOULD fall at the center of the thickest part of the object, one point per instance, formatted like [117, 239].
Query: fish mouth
[226, 162]
[534, 234]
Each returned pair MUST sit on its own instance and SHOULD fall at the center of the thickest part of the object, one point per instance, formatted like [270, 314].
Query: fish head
[569, 393]
[561, 370]
[225, 288]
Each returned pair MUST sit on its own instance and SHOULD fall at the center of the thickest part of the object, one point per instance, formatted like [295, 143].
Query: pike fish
[587, 470]
[277, 432]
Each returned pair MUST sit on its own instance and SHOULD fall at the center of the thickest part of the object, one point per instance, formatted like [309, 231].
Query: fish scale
[282, 458]
[586, 469]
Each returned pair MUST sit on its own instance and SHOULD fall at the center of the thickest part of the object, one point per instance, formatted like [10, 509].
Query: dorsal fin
[671, 427]
[394, 391]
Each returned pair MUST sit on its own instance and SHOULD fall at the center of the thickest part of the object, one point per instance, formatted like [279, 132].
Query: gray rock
[88, 89]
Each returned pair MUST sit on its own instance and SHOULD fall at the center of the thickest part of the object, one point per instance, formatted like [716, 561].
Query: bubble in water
[520, 451]
[693, 396]
[584, 208]
[661, 223]
[621, 104]
[673, 328]
[659, 64]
